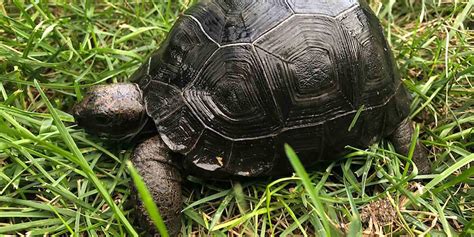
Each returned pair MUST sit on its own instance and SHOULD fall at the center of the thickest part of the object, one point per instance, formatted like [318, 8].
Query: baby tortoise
[237, 79]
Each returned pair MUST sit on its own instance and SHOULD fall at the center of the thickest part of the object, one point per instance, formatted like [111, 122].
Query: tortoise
[237, 79]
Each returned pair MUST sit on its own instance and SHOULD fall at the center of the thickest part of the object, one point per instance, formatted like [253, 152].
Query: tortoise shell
[237, 79]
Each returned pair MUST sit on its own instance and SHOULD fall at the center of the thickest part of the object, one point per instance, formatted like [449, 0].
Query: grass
[56, 179]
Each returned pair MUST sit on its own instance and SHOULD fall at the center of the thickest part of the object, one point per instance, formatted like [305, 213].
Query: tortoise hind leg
[401, 139]
[160, 172]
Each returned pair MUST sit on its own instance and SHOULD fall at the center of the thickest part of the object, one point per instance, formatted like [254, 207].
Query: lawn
[56, 179]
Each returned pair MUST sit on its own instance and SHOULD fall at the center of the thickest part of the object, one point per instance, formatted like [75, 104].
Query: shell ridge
[202, 29]
[275, 103]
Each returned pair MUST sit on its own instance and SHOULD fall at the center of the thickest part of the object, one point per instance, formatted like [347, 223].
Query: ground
[56, 179]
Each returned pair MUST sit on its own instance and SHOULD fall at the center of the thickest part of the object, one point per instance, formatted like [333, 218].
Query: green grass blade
[217, 216]
[355, 226]
[441, 177]
[301, 172]
[28, 225]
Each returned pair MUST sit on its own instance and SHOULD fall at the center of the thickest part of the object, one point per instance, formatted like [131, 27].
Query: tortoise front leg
[160, 172]
[401, 139]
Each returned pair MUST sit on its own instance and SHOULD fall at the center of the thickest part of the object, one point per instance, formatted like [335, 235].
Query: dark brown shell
[236, 79]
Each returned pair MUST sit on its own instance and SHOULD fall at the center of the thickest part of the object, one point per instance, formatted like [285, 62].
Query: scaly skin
[161, 174]
[114, 111]
[401, 139]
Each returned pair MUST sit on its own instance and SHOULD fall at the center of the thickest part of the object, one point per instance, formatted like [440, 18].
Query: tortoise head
[115, 111]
